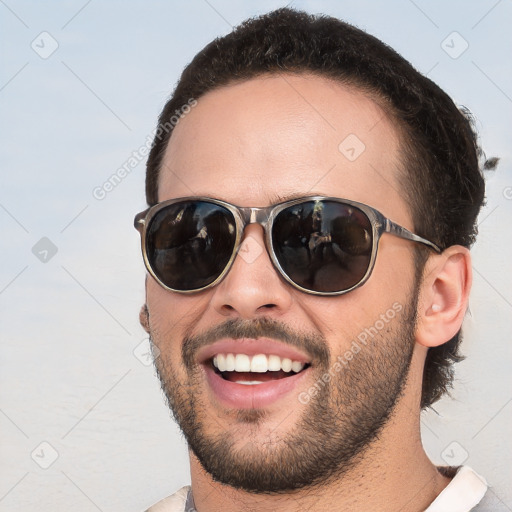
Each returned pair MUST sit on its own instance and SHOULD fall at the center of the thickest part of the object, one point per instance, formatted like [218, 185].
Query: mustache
[314, 344]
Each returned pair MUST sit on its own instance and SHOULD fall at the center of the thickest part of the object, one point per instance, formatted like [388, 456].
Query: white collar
[465, 491]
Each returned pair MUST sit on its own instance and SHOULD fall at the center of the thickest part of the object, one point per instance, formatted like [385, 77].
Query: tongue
[262, 377]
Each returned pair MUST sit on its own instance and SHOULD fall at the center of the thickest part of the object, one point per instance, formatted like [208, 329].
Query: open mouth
[256, 369]
[253, 373]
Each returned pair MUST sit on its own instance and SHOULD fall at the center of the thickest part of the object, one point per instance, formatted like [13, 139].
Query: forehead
[269, 138]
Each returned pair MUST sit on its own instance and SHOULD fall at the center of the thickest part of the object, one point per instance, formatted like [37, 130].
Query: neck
[394, 473]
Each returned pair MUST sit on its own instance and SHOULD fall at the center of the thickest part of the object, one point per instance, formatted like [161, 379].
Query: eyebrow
[278, 198]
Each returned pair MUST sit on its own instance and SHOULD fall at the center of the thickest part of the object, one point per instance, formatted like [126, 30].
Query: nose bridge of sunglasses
[254, 215]
[252, 244]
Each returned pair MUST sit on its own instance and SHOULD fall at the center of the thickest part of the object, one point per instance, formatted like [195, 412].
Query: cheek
[376, 306]
[172, 315]
[340, 320]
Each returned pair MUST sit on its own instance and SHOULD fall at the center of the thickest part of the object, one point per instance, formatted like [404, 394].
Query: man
[311, 208]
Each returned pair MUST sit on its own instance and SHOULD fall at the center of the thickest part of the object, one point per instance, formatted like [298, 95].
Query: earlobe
[444, 295]
[144, 317]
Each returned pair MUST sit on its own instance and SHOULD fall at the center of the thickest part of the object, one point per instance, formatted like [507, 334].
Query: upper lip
[251, 347]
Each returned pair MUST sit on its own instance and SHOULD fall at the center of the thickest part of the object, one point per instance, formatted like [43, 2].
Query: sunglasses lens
[189, 244]
[323, 246]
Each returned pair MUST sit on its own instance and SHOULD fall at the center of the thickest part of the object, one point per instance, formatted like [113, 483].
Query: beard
[333, 430]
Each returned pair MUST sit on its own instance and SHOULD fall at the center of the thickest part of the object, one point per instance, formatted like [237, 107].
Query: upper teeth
[260, 363]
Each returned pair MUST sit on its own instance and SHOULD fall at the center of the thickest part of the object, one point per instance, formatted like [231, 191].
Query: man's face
[254, 144]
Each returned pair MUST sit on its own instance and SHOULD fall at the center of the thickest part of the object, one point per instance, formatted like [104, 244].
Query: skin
[256, 143]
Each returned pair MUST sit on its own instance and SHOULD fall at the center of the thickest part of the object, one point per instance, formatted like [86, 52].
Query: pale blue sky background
[69, 326]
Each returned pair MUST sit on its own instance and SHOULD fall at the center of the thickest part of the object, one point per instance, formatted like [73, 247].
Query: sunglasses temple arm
[397, 230]
[140, 220]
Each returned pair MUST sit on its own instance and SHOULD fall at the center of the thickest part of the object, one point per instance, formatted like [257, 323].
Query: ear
[144, 317]
[444, 295]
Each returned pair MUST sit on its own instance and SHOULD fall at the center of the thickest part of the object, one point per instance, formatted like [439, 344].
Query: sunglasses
[320, 245]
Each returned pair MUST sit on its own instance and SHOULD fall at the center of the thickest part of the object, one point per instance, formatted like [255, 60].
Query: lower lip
[255, 396]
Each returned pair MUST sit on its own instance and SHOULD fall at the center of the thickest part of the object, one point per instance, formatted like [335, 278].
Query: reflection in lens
[189, 244]
[323, 246]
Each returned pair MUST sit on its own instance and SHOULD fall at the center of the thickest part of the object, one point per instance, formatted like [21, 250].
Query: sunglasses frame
[264, 216]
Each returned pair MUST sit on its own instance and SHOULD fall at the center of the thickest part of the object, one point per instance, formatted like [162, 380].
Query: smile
[240, 368]
[251, 374]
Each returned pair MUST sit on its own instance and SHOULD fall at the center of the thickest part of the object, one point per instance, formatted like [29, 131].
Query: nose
[252, 286]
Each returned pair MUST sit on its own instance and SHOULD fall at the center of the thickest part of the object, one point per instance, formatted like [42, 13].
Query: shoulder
[174, 503]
